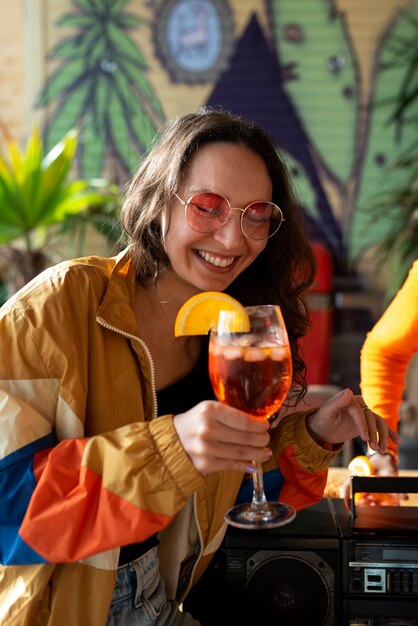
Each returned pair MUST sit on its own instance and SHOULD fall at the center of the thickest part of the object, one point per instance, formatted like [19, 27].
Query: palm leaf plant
[100, 85]
[405, 55]
[38, 198]
[399, 247]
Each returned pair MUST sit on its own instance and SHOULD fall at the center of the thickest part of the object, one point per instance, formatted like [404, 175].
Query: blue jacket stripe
[17, 483]
[273, 482]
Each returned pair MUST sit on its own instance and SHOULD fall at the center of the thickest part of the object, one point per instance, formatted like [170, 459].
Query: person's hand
[383, 465]
[346, 416]
[218, 437]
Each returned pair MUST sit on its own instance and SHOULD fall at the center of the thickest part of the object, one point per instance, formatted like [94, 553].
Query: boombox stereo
[325, 568]
[379, 579]
[285, 576]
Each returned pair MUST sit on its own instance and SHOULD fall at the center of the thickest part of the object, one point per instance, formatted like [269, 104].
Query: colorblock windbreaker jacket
[84, 465]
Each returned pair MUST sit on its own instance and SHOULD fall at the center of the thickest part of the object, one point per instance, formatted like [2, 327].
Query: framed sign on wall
[193, 38]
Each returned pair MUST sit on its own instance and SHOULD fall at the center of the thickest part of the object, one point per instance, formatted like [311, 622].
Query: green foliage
[39, 199]
[101, 87]
[398, 207]
[396, 204]
[405, 56]
[390, 137]
[36, 189]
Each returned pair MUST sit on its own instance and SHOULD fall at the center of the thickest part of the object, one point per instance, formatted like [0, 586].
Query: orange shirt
[387, 353]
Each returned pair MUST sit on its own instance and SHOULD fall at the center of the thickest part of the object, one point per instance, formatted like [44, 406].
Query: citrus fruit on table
[361, 466]
[200, 313]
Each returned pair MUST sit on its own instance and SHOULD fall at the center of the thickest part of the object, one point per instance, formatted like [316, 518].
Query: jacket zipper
[147, 354]
[154, 393]
[200, 551]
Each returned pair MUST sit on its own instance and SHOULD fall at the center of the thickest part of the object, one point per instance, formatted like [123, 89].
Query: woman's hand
[218, 437]
[346, 416]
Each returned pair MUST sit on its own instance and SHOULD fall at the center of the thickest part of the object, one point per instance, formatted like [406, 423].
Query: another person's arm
[384, 361]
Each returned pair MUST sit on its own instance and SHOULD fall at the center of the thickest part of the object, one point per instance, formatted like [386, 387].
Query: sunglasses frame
[187, 203]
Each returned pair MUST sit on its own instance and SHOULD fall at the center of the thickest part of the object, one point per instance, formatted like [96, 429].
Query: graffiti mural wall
[319, 75]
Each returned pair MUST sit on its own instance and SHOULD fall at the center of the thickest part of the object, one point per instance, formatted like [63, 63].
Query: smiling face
[211, 261]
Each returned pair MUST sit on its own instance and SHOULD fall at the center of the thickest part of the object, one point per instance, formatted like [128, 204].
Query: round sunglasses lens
[261, 220]
[206, 212]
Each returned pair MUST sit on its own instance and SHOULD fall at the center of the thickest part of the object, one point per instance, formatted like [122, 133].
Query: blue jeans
[140, 599]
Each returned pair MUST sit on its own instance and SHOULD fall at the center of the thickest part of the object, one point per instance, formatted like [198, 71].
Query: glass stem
[259, 499]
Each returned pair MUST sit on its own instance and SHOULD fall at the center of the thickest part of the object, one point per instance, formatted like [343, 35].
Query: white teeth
[215, 260]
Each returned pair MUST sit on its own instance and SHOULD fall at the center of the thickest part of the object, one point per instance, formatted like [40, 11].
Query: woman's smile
[215, 259]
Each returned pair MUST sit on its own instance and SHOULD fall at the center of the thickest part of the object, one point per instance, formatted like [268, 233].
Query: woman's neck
[156, 312]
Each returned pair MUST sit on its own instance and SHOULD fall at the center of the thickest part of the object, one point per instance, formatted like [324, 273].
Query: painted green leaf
[315, 51]
[129, 21]
[69, 114]
[121, 134]
[78, 20]
[124, 47]
[92, 147]
[307, 197]
[93, 141]
[76, 47]
[301, 184]
[101, 86]
[140, 123]
[143, 128]
[139, 82]
[62, 80]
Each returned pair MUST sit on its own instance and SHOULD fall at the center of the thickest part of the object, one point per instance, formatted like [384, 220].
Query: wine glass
[252, 371]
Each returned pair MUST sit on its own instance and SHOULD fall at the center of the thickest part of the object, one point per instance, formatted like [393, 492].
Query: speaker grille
[290, 589]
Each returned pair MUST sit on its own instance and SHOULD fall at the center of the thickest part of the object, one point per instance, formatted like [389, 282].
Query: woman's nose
[230, 233]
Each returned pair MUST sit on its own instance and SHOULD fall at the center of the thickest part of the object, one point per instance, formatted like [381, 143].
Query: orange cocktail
[254, 379]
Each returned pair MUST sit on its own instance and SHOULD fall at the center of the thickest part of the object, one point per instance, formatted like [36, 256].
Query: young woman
[116, 463]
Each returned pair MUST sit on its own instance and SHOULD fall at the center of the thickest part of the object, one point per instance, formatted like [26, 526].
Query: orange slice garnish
[361, 466]
[200, 314]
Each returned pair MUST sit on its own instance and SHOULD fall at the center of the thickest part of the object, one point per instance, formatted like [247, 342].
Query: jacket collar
[117, 309]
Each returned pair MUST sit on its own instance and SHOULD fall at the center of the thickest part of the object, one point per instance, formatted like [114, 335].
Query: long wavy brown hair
[285, 269]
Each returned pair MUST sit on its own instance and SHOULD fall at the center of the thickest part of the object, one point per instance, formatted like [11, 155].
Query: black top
[176, 398]
[188, 391]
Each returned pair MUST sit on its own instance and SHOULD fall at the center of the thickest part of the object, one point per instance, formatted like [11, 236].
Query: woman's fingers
[377, 430]
[394, 436]
[345, 417]
[217, 437]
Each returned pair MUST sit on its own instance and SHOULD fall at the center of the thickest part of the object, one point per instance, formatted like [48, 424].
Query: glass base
[270, 515]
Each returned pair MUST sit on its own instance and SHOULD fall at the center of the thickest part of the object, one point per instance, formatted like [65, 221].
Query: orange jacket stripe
[72, 516]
